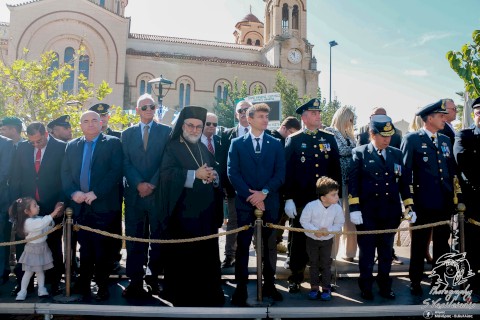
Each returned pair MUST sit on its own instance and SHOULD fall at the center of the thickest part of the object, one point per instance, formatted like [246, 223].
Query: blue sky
[390, 53]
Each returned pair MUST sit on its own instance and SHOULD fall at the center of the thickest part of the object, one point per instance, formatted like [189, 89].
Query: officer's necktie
[210, 146]
[434, 140]
[246, 130]
[38, 160]
[145, 137]
[257, 148]
[379, 152]
[85, 173]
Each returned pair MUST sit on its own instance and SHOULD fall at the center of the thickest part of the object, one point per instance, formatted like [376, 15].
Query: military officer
[467, 153]
[310, 153]
[377, 177]
[61, 128]
[102, 110]
[428, 154]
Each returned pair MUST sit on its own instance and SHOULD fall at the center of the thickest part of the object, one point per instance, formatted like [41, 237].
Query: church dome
[250, 18]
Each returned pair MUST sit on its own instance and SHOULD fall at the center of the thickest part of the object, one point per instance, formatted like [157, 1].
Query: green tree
[29, 89]
[225, 109]
[466, 63]
[288, 95]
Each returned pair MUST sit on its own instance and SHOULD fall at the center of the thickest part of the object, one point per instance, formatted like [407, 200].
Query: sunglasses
[208, 124]
[242, 110]
[144, 108]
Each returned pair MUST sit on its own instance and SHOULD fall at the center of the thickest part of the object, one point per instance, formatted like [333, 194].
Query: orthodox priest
[192, 203]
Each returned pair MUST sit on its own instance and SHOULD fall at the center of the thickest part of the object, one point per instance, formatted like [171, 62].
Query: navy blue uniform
[433, 168]
[308, 157]
[467, 153]
[374, 189]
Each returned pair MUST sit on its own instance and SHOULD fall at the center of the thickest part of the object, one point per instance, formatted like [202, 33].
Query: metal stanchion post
[258, 230]
[68, 260]
[461, 225]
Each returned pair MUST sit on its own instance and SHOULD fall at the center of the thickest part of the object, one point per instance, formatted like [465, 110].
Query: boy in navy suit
[256, 169]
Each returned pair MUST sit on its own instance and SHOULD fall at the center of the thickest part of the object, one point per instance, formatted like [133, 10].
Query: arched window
[184, 91]
[181, 95]
[187, 94]
[68, 59]
[225, 93]
[257, 42]
[285, 18]
[55, 63]
[149, 88]
[249, 42]
[142, 87]
[84, 66]
[219, 92]
[295, 17]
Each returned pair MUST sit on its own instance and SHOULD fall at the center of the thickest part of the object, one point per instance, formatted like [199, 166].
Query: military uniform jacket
[374, 186]
[467, 153]
[433, 169]
[308, 157]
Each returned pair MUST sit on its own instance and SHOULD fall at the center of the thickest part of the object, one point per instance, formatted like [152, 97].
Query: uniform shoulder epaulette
[325, 131]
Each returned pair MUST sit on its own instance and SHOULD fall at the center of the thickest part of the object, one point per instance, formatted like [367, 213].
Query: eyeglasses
[192, 127]
[208, 124]
[242, 110]
[151, 106]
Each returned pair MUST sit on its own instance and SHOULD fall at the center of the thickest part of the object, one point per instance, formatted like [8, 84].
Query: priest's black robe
[192, 270]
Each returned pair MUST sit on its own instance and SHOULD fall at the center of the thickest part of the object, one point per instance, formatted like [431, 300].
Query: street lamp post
[332, 43]
[159, 83]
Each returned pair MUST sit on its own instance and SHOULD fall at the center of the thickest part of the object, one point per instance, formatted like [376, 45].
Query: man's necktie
[210, 146]
[257, 148]
[246, 130]
[145, 137]
[434, 140]
[379, 152]
[85, 173]
[38, 160]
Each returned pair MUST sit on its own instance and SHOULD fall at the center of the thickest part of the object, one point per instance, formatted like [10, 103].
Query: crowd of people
[173, 183]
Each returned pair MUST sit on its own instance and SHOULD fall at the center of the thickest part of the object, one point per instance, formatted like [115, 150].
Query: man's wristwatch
[265, 191]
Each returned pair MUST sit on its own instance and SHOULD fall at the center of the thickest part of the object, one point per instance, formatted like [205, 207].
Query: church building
[199, 69]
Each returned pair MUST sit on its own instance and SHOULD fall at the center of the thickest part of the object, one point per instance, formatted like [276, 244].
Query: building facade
[199, 69]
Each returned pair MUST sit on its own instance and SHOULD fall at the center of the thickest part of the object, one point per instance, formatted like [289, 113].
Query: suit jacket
[114, 133]
[449, 133]
[364, 138]
[226, 139]
[105, 173]
[6, 156]
[432, 169]
[25, 180]
[140, 165]
[248, 170]
[374, 185]
[467, 153]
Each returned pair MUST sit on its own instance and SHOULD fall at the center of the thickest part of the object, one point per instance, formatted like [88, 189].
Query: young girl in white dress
[36, 257]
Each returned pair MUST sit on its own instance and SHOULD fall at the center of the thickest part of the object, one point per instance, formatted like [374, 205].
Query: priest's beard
[192, 138]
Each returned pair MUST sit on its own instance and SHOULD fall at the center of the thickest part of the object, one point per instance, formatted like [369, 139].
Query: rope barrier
[12, 243]
[474, 222]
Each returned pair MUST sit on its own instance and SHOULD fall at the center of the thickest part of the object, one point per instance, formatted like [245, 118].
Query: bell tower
[287, 18]
[116, 6]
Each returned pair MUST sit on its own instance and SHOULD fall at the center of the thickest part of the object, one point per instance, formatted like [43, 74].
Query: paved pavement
[346, 301]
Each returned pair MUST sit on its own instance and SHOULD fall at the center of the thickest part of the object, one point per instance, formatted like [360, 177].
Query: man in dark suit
[310, 154]
[377, 177]
[211, 140]
[256, 169]
[6, 157]
[36, 173]
[428, 154]
[143, 146]
[12, 127]
[363, 136]
[467, 153]
[102, 110]
[60, 128]
[91, 172]
[449, 130]
[228, 135]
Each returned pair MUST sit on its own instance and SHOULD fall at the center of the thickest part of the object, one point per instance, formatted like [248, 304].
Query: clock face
[294, 56]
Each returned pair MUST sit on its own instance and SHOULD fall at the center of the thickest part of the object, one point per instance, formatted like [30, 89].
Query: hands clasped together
[87, 197]
[206, 173]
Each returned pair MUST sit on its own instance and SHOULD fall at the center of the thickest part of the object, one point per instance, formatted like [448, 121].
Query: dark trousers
[319, 252]
[298, 251]
[54, 241]
[5, 229]
[96, 251]
[137, 216]
[244, 239]
[472, 238]
[421, 241]
[368, 244]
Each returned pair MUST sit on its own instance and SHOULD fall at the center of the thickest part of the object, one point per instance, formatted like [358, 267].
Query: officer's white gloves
[356, 217]
[413, 217]
[290, 209]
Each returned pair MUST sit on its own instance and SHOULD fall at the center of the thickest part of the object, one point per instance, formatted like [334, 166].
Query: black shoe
[102, 294]
[387, 294]
[272, 292]
[294, 287]
[367, 295]
[239, 297]
[153, 286]
[348, 259]
[134, 291]
[55, 289]
[416, 289]
[16, 289]
[396, 260]
[228, 262]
